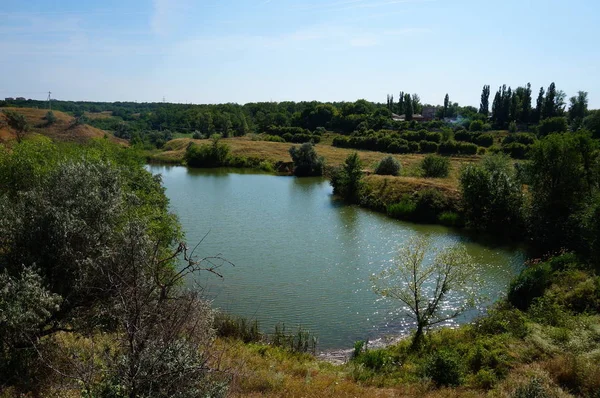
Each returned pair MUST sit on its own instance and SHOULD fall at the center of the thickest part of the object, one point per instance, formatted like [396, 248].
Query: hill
[64, 129]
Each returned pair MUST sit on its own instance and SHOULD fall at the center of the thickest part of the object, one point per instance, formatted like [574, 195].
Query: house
[9, 99]
[428, 113]
[21, 99]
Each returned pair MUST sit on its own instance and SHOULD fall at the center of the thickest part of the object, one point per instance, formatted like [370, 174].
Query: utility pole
[49, 99]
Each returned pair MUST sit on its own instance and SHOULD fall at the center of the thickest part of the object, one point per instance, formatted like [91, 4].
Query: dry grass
[279, 152]
[61, 130]
[263, 371]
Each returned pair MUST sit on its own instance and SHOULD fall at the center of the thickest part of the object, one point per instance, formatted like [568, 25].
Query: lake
[301, 256]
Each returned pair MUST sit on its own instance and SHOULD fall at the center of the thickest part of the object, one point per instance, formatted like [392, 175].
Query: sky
[217, 51]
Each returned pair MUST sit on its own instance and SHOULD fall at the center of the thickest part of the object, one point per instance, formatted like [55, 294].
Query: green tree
[306, 161]
[549, 110]
[401, 103]
[556, 124]
[578, 109]
[446, 104]
[347, 180]
[425, 288]
[492, 196]
[17, 122]
[562, 178]
[484, 106]
[408, 107]
[539, 107]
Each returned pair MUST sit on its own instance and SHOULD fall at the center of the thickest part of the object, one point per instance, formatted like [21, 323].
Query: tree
[306, 161]
[485, 100]
[17, 122]
[401, 103]
[549, 109]
[416, 103]
[96, 226]
[492, 196]
[562, 178]
[50, 118]
[578, 109]
[408, 107]
[539, 107]
[446, 104]
[347, 181]
[430, 291]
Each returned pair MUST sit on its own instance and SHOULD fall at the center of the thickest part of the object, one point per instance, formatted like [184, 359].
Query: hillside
[62, 130]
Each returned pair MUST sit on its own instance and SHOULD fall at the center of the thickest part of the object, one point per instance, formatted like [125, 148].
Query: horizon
[246, 51]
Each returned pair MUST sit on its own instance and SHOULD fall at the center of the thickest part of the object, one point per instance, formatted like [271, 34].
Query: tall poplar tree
[408, 105]
[485, 101]
[446, 104]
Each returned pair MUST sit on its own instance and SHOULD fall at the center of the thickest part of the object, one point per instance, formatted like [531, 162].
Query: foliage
[530, 284]
[347, 180]
[444, 368]
[492, 196]
[96, 226]
[512, 127]
[423, 288]
[434, 166]
[302, 341]
[207, 155]
[50, 118]
[562, 177]
[306, 161]
[476, 125]
[237, 327]
[388, 166]
[17, 122]
[553, 125]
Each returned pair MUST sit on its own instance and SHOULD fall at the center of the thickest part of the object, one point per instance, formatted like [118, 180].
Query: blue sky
[275, 50]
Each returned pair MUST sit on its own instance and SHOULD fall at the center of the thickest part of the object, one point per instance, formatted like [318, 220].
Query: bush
[450, 219]
[428, 146]
[429, 204]
[375, 359]
[553, 125]
[443, 367]
[403, 210]
[516, 150]
[413, 147]
[464, 135]
[467, 148]
[306, 161]
[529, 285]
[435, 166]
[207, 155]
[512, 127]
[485, 140]
[50, 118]
[388, 166]
[522, 138]
[476, 125]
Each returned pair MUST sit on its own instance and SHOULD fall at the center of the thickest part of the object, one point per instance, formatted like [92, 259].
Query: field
[64, 129]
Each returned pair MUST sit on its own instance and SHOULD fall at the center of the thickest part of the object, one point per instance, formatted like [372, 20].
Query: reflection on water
[303, 257]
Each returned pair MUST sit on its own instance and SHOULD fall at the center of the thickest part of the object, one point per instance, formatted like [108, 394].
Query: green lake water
[302, 257]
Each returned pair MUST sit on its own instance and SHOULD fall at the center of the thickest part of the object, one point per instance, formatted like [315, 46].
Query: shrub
[403, 210]
[553, 125]
[236, 327]
[516, 150]
[450, 219]
[306, 161]
[443, 367]
[197, 135]
[435, 166]
[512, 127]
[485, 140]
[207, 155]
[50, 118]
[388, 166]
[433, 137]
[398, 146]
[530, 284]
[448, 148]
[467, 148]
[375, 359]
[464, 135]
[522, 138]
[429, 204]
[476, 125]
[428, 146]
[413, 147]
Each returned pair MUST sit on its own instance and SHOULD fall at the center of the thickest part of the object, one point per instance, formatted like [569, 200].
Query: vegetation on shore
[92, 301]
